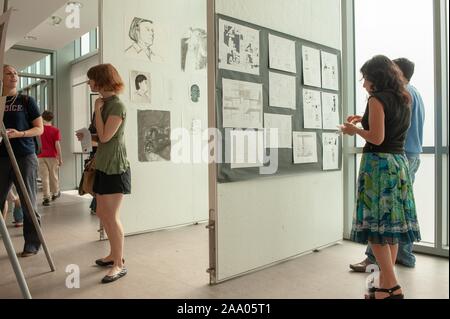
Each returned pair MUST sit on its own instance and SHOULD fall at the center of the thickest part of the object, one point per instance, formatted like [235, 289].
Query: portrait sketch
[154, 136]
[194, 50]
[143, 39]
[140, 87]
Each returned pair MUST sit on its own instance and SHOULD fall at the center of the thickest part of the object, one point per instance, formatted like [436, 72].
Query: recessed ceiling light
[55, 21]
[30, 37]
[75, 3]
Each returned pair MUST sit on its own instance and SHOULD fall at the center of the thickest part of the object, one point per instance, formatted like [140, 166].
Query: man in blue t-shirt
[23, 122]
[413, 148]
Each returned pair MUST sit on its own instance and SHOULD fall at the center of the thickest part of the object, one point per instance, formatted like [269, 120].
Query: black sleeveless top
[396, 124]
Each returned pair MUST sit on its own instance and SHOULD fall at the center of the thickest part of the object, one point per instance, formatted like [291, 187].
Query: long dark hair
[386, 76]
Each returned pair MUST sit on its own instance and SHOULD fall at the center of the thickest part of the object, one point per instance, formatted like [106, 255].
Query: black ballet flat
[109, 279]
[102, 263]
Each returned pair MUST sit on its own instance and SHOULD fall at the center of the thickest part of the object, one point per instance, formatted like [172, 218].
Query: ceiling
[21, 59]
[34, 20]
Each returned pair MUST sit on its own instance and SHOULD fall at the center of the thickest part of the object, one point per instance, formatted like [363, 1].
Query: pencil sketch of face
[142, 34]
[140, 84]
[194, 50]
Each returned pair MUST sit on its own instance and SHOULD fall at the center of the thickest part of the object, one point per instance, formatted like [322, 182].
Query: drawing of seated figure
[194, 50]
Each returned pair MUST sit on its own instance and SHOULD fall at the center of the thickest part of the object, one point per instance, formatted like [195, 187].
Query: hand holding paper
[84, 136]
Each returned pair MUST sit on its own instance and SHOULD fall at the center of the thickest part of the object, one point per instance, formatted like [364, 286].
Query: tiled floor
[172, 264]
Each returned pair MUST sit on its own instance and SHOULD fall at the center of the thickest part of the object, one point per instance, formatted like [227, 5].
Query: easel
[4, 19]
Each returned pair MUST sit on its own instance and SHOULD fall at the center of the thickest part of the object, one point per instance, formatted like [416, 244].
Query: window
[373, 37]
[85, 44]
[403, 23]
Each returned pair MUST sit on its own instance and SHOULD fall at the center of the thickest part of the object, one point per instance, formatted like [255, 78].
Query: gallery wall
[265, 221]
[161, 95]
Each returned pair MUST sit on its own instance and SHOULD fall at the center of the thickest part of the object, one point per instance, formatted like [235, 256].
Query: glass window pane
[85, 44]
[397, 37]
[46, 97]
[48, 65]
[424, 194]
[97, 37]
[445, 225]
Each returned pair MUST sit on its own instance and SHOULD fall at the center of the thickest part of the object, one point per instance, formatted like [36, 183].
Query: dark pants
[28, 166]
[405, 251]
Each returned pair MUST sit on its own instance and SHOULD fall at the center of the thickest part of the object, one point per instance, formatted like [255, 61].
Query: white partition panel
[164, 194]
[267, 220]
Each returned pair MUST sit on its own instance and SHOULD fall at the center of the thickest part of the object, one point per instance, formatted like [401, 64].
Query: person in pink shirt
[50, 159]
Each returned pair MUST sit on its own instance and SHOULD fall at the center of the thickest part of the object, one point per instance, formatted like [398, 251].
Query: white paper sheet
[238, 48]
[330, 151]
[247, 148]
[330, 111]
[312, 109]
[330, 72]
[86, 142]
[242, 104]
[282, 54]
[305, 147]
[283, 123]
[311, 67]
[282, 90]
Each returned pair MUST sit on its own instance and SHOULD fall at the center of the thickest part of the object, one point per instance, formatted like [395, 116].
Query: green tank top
[111, 157]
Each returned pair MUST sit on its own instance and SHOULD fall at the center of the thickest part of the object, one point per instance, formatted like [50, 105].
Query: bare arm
[59, 153]
[105, 131]
[376, 134]
[36, 130]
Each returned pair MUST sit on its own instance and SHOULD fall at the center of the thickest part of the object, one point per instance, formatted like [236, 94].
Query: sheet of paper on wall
[145, 39]
[242, 104]
[330, 72]
[86, 141]
[311, 66]
[238, 48]
[246, 148]
[282, 136]
[305, 147]
[282, 90]
[140, 87]
[282, 54]
[312, 109]
[330, 111]
[330, 151]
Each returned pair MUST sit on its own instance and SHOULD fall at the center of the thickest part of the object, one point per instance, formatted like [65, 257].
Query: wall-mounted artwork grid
[295, 80]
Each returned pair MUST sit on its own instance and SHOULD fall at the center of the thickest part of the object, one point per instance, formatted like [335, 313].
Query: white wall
[81, 114]
[268, 220]
[163, 193]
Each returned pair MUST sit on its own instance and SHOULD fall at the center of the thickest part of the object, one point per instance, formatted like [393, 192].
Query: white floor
[172, 264]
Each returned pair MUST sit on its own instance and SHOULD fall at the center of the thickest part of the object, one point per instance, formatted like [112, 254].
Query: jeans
[28, 166]
[405, 251]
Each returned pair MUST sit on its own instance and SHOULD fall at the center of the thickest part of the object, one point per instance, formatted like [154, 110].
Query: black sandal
[371, 294]
[390, 292]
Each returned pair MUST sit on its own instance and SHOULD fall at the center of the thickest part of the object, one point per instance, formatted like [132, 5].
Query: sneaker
[46, 202]
[361, 266]
[55, 196]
